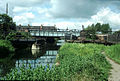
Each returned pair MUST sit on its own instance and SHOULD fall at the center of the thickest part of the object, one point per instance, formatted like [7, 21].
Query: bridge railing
[52, 32]
[36, 31]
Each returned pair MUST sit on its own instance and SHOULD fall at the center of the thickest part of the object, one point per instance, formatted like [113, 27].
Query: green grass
[78, 62]
[86, 60]
[113, 52]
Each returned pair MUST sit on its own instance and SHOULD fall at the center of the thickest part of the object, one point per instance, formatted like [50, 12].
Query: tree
[105, 29]
[17, 35]
[98, 27]
[92, 30]
[6, 25]
[117, 32]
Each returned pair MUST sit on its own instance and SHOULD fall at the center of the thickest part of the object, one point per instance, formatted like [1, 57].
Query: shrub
[5, 48]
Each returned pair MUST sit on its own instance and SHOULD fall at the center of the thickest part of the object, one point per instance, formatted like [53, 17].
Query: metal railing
[48, 33]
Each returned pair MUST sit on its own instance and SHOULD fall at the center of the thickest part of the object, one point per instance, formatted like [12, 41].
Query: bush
[6, 48]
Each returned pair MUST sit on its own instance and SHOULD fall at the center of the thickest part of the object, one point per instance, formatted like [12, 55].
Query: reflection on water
[36, 57]
[35, 52]
[47, 58]
[6, 65]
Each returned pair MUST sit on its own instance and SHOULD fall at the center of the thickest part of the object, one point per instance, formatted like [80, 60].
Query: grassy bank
[113, 52]
[78, 62]
[6, 48]
[84, 62]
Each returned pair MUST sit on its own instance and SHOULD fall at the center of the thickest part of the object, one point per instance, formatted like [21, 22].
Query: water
[46, 55]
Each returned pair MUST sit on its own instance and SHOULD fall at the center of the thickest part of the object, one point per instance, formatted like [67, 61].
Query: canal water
[37, 57]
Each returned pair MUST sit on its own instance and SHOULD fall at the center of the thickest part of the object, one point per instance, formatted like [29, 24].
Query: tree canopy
[6, 25]
[97, 28]
[117, 32]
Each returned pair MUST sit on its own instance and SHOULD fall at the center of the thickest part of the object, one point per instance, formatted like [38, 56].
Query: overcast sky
[64, 13]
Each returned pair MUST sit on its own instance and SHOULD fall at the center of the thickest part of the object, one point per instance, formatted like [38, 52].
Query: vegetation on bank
[113, 52]
[18, 35]
[81, 62]
[85, 61]
[6, 48]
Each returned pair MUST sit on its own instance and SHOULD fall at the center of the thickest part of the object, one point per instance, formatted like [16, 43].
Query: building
[21, 28]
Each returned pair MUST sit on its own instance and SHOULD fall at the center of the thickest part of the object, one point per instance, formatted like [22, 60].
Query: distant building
[43, 28]
[102, 37]
[82, 33]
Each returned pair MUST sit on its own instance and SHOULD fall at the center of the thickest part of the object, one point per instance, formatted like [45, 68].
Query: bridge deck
[48, 31]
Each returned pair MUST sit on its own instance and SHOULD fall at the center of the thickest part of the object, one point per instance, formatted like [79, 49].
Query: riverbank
[113, 52]
[85, 62]
[77, 62]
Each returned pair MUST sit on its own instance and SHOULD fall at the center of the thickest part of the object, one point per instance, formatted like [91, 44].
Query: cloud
[29, 15]
[63, 13]
[21, 9]
[25, 3]
[24, 19]
[21, 20]
[65, 24]
[2, 6]
[106, 15]
[21, 6]
[74, 8]
[36, 24]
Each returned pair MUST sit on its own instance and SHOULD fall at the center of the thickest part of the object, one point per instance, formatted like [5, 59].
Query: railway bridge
[46, 33]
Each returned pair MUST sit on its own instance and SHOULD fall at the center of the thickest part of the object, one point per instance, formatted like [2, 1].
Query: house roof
[34, 27]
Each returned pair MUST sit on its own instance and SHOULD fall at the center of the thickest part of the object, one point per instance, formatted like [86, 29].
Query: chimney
[28, 25]
[19, 24]
[82, 27]
[41, 24]
[7, 8]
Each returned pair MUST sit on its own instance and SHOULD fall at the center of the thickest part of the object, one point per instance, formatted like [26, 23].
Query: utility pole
[7, 8]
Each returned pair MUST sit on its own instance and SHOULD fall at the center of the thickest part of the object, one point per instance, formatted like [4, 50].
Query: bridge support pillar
[35, 46]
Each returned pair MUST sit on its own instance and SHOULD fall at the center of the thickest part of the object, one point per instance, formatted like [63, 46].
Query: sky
[71, 14]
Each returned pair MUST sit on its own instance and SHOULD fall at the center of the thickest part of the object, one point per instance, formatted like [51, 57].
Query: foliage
[90, 32]
[105, 29]
[117, 32]
[113, 52]
[77, 62]
[18, 35]
[85, 59]
[5, 48]
[6, 25]
[97, 28]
